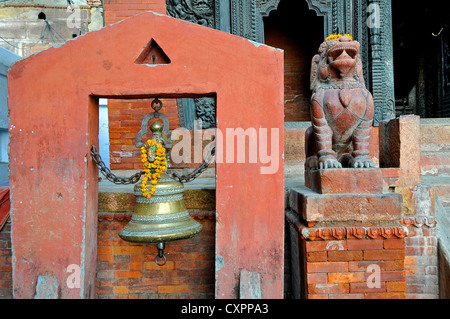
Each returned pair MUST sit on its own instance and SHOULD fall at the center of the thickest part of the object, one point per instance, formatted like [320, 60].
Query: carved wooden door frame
[246, 18]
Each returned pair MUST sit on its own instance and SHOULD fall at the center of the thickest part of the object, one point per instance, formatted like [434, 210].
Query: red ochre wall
[257, 245]
[127, 270]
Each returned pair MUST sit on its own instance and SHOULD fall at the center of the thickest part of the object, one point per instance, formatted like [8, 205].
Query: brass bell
[162, 217]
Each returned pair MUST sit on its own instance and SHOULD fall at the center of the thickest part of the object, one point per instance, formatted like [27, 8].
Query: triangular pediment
[152, 54]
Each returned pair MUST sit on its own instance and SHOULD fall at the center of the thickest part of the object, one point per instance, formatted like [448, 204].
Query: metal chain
[135, 178]
[110, 175]
[199, 170]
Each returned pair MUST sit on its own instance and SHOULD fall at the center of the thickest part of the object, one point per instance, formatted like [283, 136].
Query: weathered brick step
[435, 163]
[435, 135]
[441, 185]
[435, 147]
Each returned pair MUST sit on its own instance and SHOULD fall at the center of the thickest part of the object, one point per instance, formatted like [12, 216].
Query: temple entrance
[297, 30]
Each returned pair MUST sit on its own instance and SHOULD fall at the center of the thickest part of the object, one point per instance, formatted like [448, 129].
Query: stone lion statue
[342, 108]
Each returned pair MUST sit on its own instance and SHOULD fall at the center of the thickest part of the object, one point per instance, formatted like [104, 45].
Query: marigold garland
[337, 36]
[154, 169]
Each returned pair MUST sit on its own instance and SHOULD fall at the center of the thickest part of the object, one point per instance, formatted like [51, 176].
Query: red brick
[347, 277]
[121, 141]
[5, 284]
[316, 256]
[394, 243]
[120, 290]
[116, 128]
[367, 244]
[362, 265]
[363, 287]
[346, 296]
[328, 288]
[345, 255]
[316, 278]
[104, 250]
[313, 296]
[173, 289]
[128, 274]
[385, 295]
[429, 231]
[153, 266]
[135, 266]
[384, 265]
[126, 250]
[393, 275]
[396, 286]
[384, 254]
[326, 245]
[326, 267]
[394, 265]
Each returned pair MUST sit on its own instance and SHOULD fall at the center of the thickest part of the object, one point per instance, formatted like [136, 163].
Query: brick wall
[125, 118]
[5, 262]
[116, 10]
[421, 263]
[421, 260]
[128, 270]
[346, 269]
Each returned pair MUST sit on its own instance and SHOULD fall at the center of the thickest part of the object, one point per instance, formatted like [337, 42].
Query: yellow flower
[337, 36]
[158, 165]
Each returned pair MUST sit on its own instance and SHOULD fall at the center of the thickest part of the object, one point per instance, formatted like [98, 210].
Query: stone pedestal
[346, 238]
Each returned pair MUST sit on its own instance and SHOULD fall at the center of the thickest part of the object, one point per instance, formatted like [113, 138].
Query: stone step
[435, 147]
[435, 135]
[436, 163]
[445, 200]
[441, 186]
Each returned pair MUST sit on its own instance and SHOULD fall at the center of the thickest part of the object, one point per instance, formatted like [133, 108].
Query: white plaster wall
[7, 59]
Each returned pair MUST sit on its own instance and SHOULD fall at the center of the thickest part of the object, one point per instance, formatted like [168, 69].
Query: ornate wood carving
[381, 57]
[245, 18]
[328, 10]
[196, 11]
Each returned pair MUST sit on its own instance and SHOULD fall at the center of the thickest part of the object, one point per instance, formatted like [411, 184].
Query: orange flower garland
[154, 169]
[337, 36]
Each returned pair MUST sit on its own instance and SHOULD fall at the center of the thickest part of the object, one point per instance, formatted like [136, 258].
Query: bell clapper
[160, 255]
